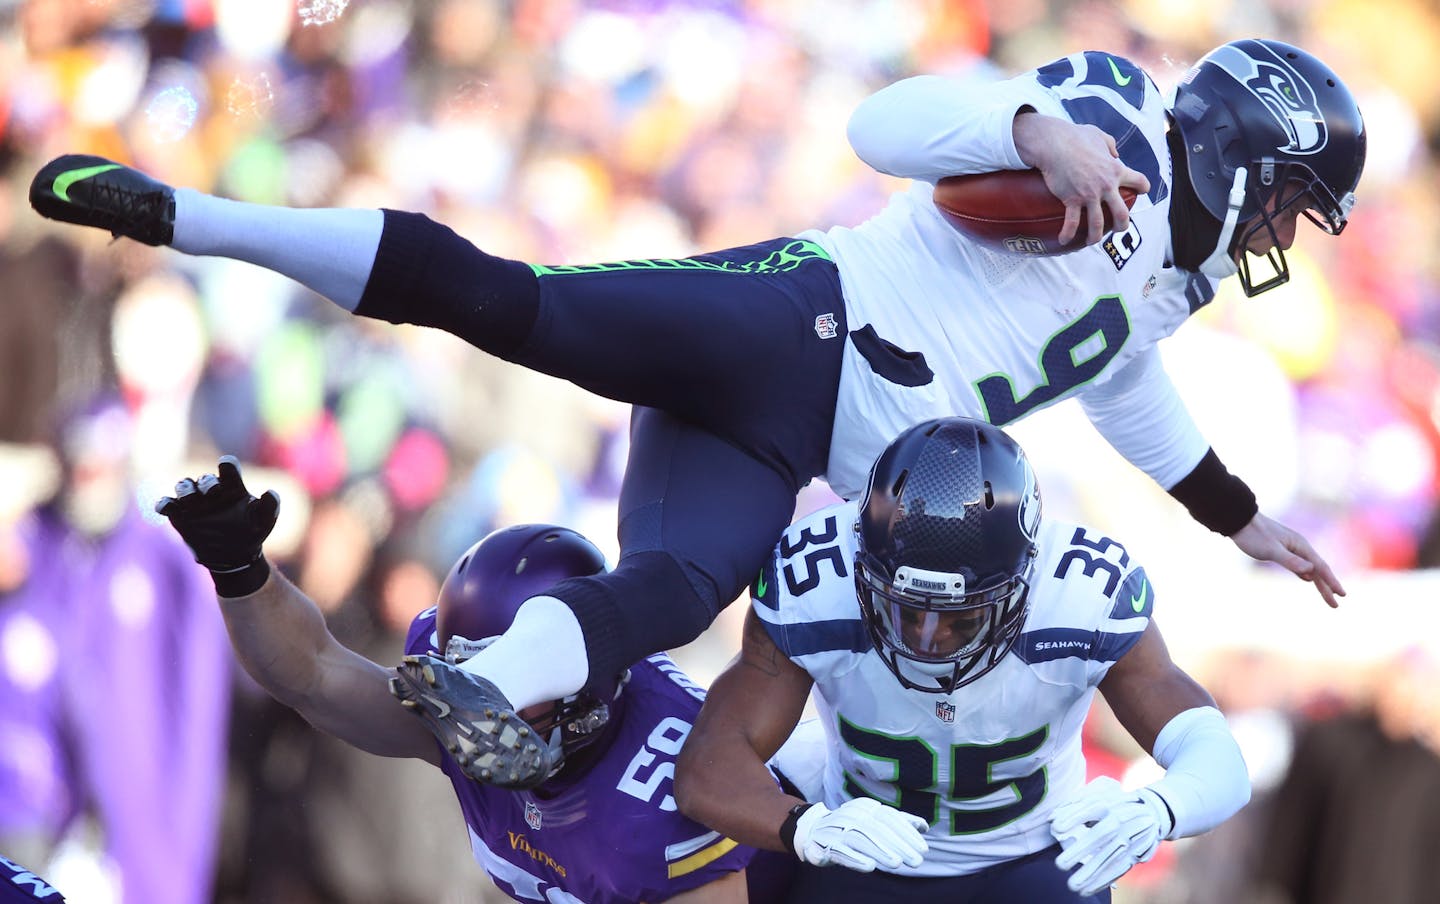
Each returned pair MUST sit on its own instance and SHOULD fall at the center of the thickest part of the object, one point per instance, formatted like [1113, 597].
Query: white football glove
[1105, 831]
[860, 834]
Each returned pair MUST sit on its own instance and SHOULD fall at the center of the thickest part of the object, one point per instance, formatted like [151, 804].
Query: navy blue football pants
[1033, 879]
[733, 361]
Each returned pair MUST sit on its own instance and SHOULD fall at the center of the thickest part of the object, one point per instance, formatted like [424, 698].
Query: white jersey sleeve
[805, 596]
[929, 127]
[1090, 604]
[1142, 416]
[986, 765]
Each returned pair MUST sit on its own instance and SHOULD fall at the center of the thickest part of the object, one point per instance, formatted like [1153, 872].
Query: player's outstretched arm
[278, 633]
[1270, 541]
[281, 639]
[1106, 829]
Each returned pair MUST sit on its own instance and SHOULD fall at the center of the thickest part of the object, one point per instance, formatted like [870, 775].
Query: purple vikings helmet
[1267, 128]
[947, 545]
[485, 588]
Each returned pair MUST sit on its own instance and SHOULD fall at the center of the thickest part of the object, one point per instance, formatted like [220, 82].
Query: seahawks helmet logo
[1283, 91]
[1029, 508]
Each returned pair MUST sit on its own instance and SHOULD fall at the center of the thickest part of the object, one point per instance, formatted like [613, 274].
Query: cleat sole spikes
[475, 723]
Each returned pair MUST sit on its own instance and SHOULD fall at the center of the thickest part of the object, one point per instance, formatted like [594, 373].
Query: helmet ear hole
[899, 484]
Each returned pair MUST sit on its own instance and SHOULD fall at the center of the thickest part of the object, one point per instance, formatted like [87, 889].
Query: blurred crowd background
[137, 764]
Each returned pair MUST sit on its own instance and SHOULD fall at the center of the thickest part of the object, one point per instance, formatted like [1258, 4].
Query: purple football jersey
[614, 833]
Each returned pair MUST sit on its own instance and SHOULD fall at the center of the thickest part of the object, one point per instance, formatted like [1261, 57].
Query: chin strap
[1220, 263]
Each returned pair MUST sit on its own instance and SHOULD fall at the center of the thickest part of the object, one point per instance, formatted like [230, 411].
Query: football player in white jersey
[954, 641]
[754, 369]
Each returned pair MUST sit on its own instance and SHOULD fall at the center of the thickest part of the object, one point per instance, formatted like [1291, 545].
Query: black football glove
[224, 526]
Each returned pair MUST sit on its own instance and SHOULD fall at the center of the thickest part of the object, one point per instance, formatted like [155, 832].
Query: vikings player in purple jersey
[604, 827]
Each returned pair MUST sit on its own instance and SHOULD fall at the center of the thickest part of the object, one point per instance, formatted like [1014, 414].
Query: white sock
[541, 657]
[330, 250]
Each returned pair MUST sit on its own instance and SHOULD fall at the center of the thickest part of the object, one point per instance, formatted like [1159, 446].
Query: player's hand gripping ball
[1013, 211]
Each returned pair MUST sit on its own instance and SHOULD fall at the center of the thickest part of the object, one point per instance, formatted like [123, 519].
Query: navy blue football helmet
[485, 588]
[946, 549]
[1267, 129]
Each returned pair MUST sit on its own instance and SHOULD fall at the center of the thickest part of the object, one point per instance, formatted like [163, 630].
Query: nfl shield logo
[1024, 244]
[532, 813]
[946, 711]
[825, 326]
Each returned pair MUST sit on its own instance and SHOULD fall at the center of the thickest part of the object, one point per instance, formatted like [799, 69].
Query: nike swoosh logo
[62, 183]
[760, 585]
[1138, 602]
[1121, 80]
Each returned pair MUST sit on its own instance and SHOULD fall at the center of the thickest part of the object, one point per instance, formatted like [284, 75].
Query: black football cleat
[93, 191]
[475, 722]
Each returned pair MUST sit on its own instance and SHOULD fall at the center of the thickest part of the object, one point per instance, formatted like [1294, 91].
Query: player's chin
[1259, 245]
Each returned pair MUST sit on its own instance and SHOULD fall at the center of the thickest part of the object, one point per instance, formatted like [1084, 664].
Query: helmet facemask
[937, 640]
[1282, 193]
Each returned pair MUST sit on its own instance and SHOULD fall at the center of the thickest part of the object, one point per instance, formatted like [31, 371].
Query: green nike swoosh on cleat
[760, 585]
[1138, 602]
[1121, 80]
[62, 183]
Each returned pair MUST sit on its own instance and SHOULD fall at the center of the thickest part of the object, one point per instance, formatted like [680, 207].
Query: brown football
[1012, 211]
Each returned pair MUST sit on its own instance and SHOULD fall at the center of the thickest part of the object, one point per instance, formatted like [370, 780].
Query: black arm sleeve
[1215, 497]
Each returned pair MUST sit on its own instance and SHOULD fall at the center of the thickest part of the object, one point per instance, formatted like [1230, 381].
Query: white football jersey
[1003, 335]
[988, 764]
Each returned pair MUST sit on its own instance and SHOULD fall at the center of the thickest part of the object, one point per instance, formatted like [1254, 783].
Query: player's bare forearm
[277, 633]
[721, 779]
[1146, 689]
[281, 639]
